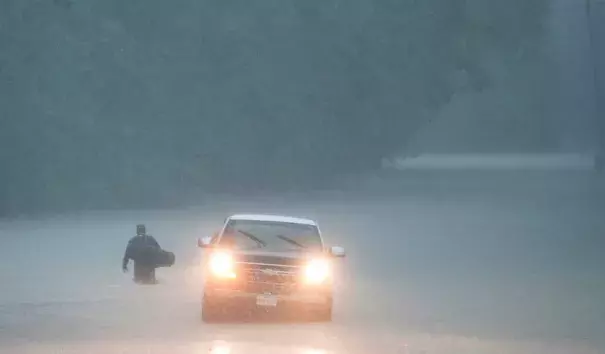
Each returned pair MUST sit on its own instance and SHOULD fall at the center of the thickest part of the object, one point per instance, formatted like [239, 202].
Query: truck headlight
[221, 265]
[317, 271]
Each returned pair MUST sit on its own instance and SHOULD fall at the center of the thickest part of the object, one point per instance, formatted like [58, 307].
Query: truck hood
[277, 258]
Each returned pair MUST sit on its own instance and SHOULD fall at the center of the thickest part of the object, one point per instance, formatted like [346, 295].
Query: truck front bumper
[298, 303]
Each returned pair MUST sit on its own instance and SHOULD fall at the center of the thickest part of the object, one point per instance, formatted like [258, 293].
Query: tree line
[108, 103]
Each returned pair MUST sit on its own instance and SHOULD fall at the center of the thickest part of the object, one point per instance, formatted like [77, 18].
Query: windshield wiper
[258, 241]
[290, 241]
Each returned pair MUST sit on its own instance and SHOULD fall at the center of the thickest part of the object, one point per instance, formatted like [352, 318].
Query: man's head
[141, 229]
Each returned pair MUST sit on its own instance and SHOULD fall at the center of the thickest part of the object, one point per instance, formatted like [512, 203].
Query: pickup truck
[267, 263]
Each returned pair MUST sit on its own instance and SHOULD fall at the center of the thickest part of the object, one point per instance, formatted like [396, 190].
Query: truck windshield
[271, 236]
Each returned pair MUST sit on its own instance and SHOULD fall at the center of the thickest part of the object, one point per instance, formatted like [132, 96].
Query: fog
[452, 147]
[112, 104]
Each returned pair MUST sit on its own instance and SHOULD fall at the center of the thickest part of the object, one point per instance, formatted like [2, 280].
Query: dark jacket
[142, 249]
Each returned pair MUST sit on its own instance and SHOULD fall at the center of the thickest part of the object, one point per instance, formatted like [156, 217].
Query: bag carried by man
[163, 258]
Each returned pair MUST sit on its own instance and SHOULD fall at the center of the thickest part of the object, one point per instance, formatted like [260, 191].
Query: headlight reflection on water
[220, 347]
[313, 351]
[224, 347]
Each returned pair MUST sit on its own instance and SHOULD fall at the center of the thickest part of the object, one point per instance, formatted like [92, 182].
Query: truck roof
[273, 218]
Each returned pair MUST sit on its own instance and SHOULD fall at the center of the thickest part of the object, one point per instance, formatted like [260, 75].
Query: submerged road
[433, 266]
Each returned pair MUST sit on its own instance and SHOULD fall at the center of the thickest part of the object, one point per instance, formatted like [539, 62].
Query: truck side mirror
[204, 242]
[337, 251]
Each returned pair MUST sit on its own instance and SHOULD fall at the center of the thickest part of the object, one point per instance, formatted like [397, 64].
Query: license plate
[266, 300]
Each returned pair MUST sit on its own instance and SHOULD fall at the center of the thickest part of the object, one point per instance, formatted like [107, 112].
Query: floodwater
[433, 265]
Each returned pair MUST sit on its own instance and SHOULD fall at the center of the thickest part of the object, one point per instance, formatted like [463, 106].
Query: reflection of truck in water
[265, 263]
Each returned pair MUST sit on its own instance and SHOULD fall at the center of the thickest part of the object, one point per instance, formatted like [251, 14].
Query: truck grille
[268, 278]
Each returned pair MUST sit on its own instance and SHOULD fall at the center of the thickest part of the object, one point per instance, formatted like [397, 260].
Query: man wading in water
[143, 250]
